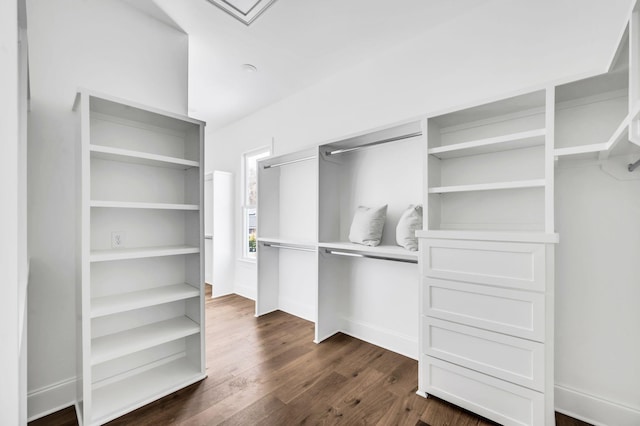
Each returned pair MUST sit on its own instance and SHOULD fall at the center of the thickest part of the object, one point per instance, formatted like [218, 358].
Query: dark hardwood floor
[267, 371]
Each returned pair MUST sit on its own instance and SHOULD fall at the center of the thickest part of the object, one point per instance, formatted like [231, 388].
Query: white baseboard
[245, 291]
[388, 339]
[594, 409]
[52, 398]
[298, 309]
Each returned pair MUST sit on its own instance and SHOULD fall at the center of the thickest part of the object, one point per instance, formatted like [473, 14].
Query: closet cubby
[140, 295]
[369, 292]
[378, 168]
[487, 166]
[594, 115]
[287, 234]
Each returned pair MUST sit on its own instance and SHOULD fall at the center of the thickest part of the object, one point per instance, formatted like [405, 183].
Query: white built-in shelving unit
[597, 117]
[487, 166]
[140, 269]
[369, 292]
[487, 266]
[287, 234]
[306, 264]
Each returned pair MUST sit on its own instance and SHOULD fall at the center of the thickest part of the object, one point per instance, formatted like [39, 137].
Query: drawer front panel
[492, 398]
[513, 312]
[514, 265]
[516, 360]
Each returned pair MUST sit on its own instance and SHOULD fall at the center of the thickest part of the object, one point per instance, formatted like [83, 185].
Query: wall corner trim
[594, 409]
[51, 398]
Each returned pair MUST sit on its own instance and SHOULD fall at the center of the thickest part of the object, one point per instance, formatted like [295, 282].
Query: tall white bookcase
[140, 266]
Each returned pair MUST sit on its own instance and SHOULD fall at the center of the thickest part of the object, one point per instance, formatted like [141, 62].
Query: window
[250, 216]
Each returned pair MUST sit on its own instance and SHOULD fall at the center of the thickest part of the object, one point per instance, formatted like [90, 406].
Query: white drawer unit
[504, 264]
[486, 332]
[512, 312]
[492, 398]
[516, 360]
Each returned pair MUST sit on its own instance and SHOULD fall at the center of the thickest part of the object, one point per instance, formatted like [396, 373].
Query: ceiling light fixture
[249, 68]
[246, 11]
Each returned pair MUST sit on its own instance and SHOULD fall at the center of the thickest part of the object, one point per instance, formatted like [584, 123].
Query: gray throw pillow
[367, 225]
[409, 223]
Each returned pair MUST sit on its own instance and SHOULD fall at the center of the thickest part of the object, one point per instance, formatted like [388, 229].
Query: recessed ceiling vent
[245, 11]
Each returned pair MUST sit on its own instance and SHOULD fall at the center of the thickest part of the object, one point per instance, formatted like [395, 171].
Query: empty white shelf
[535, 183]
[140, 389]
[499, 143]
[129, 156]
[508, 236]
[115, 345]
[141, 252]
[122, 302]
[137, 205]
[580, 150]
[395, 252]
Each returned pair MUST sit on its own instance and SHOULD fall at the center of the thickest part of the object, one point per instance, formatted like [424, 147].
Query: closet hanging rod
[632, 167]
[369, 256]
[281, 246]
[284, 163]
[393, 139]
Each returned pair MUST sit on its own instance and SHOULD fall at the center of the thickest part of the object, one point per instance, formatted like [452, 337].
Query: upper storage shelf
[486, 166]
[287, 199]
[136, 157]
[382, 167]
[128, 132]
[594, 117]
[518, 140]
[516, 122]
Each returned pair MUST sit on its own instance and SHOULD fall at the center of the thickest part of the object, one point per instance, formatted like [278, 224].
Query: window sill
[247, 260]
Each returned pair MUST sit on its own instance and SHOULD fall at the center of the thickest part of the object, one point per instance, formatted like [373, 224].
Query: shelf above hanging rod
[284, 163]
[281, 246]
[380, 142]
[368, 256]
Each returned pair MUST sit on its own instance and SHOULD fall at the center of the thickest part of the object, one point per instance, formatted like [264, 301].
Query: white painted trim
[385, 338]
[293, 307]
[245, 291]
[594, 409]
[49, 399]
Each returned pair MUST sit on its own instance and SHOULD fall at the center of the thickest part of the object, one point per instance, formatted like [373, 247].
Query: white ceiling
[294, 44]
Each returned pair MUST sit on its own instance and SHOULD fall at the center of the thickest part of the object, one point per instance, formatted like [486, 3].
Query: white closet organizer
[597, 118]
[287, 234]
[369, 292]
[486, 295]
[140, 295]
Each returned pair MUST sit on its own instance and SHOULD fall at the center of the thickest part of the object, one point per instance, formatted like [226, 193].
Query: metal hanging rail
[287, 247]
[284, 163]
[369, 256]
[632, 167]
[393, 139]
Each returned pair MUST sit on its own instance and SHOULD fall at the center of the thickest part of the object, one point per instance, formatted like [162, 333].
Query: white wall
[9, 199]
[500, 47]
[597, 291]
[106, 46]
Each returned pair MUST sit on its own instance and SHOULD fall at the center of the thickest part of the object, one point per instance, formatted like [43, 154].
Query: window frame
[245, 207]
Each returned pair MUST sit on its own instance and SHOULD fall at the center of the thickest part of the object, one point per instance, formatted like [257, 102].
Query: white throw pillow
[409, 223]
[367, 225]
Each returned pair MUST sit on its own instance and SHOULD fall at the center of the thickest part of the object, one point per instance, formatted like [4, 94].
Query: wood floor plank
[267, 371]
